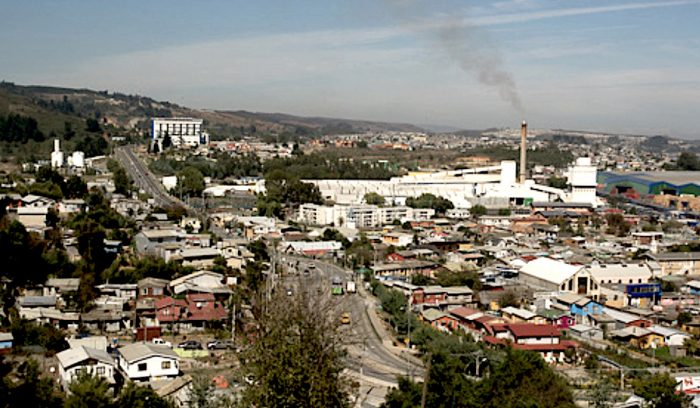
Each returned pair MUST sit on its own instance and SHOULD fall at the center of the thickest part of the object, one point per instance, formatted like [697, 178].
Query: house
[692, 287]
[397, 239]
[405, 269]
[559, 318]
[678, 263]
[193, 312]
[198, 257]
[516, 315]
[586, 332]
[125, 291]
[152, 287]
[580, 307]
[61, 286]
[70, 206]
[552, 275]
[620, 273]
[541, 338]
[441, 297]
[438, 319]
[672, 337]
[32, 217]
[75, 361]
[6, 342]
[641, 295]
[201, 282]
[638, 337]
[147, 362]
[33, 200]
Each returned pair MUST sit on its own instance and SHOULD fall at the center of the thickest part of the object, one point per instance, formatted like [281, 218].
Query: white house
[146, 361]
[200, 282]
[552, 275]
[78, 360]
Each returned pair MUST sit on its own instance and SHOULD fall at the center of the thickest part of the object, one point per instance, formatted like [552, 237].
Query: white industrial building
[493, 186]
[360, 216]
[182, 131]
[58, 160]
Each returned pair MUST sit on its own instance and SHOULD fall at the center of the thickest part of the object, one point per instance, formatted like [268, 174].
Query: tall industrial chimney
[523, 152]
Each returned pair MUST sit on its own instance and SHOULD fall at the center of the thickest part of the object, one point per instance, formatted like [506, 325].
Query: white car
[162, 342]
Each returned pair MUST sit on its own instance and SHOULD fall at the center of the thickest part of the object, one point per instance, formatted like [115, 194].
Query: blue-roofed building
[650, 183]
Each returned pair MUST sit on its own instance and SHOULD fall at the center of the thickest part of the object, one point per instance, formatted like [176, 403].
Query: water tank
[78, 159]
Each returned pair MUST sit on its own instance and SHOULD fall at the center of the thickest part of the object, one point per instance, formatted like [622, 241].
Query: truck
[350, 287]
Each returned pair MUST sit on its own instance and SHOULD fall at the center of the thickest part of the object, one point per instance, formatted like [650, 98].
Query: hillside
[53, 106]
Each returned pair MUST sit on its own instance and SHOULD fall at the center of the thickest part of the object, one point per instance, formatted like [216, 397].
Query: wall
[153, 367]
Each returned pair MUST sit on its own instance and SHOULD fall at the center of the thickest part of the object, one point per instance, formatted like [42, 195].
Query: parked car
[190, 345]
[220, 345]
[345, 318]
[162, 342]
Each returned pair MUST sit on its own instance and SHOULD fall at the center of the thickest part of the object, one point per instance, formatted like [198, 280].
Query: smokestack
[56, 145]
[523, 152]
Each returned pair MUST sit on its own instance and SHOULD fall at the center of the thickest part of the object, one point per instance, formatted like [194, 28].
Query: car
[190, 345]
[289, 292]
[162, 342]
[306, 272]
[220, 345]
[345, 318]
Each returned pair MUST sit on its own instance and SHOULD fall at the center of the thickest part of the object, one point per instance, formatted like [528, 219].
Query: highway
[143, 178]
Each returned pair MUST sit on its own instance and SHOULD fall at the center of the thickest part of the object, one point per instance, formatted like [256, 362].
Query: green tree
[505, 212]
[427, 200]
[122, 183]
[297, 359]
[374, 199]
[134, 396]
[92, 125]
[660, 391]
[557, 182]
[509, 298]
[76, 187]
[688, 161]
[190, 182]
[26, 387]
[477, 210]
[88, 391]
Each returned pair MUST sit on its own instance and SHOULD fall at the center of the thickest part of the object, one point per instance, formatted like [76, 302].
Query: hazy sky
[629, 66]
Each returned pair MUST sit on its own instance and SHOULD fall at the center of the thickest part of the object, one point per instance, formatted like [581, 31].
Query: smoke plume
[468, 45]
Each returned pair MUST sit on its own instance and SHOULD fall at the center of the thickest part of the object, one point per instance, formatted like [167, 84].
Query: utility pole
[425, 381]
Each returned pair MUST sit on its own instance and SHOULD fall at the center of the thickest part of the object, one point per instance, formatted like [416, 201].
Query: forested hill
[53, 106]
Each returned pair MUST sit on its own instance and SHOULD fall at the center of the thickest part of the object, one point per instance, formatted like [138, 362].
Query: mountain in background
[53, 106]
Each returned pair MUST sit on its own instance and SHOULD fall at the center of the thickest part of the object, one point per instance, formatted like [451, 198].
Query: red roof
[169, 301]
[533, 330]
[464, 312]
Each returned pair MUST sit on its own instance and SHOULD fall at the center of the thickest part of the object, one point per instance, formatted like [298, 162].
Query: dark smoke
[466, 44]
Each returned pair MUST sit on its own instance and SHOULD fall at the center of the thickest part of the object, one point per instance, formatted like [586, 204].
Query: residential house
[517, 315]
[152, 287]
[541, 338]
[78, 360]
[639, 337]
[32, 217]
[437, 318]
[147, 362]
[404, 270]
[201, 282]
[315, 248]
[580, 307]
[672, 337]
[678, 263]
[586, 332]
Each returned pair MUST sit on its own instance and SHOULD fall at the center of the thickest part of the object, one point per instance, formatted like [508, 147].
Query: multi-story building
[182, 131]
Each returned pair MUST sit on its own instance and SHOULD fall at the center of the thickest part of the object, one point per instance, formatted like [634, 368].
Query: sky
[630, 66]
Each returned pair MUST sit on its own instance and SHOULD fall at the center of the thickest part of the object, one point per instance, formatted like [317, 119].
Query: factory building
[182, 131]
[642, 184]
[360, 216]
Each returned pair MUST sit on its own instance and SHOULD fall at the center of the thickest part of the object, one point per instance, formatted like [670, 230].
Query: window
[165, 365]
[142, 367]
[100, 370]
[144, 291]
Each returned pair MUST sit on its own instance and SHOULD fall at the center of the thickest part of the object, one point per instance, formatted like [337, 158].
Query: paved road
[368, 354]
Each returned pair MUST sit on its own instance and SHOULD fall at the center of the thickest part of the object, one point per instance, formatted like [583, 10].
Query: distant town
[164, 266]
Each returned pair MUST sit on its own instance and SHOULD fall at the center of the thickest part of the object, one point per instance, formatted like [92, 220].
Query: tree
[427, 200]
[134, 396]
[373, 198]
[88, 391]
[190, 182]
[29, 388]
[688, 161]
[684, 318]
[523, 379]
[504, 212]
[122, 183]
[557, 182]
[660, 391]
[477, 210]
[297, 359]
[167, 141]
[602, 394]
[76, 187]
[92, 125]
[508, 298]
